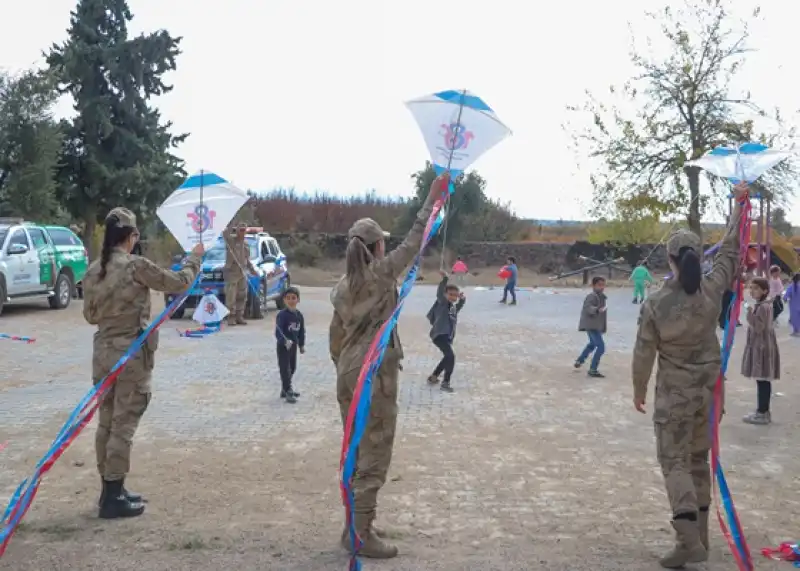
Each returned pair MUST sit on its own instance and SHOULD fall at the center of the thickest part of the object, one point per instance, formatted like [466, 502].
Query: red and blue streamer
[25, 493]
[358, 415]
[199, 332]
[27, 340]
[732, 528]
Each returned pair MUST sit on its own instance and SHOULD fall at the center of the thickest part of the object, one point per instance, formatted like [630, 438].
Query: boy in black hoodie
[290, 331]
[443, 317]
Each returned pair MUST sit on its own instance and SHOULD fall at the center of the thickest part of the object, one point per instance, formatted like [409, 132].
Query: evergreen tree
[117, 150]
[30, 143]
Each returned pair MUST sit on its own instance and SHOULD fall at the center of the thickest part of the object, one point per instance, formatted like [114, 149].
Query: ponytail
[113, 237]
[690, 273]
[358, 257]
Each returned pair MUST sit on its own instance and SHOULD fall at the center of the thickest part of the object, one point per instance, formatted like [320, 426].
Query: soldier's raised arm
[644, 352]
[150, 275]
[399, 259]
[727, 260]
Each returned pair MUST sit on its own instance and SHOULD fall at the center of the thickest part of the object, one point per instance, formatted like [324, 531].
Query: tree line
[117, 150]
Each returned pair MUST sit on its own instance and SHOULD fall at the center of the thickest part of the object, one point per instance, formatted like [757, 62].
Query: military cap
[124, 217]
[683, 239]
[368, 231]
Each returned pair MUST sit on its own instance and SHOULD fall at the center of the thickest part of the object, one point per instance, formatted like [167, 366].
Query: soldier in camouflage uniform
[678, 324]
[117, 300]
[237, 264]
[362, 300]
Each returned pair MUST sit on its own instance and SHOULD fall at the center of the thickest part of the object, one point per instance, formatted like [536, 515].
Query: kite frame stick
[449, 164]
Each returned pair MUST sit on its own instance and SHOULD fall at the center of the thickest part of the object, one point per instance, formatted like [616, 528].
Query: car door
[46, 256]
[279, 268]
[26, 278]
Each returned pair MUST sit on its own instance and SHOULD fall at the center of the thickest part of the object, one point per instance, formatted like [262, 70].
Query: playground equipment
[769, 248]
[596, 264]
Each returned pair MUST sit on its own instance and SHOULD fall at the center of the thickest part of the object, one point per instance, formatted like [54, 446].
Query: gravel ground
[529, 465]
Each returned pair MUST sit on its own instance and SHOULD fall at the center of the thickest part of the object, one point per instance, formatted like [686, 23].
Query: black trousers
[448, 362]
[287, 364]
[764, 395]
[777, 307]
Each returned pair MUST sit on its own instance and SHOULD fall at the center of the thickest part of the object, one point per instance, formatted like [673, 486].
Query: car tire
[254, 302]
[63, 292]
[178, 313]
[279, 300]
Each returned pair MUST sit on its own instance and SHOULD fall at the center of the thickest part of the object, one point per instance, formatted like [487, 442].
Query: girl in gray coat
[761, 359]
[443, 317]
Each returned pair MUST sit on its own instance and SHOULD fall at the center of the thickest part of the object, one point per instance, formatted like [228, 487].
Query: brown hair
[358, 257]
[763, 284]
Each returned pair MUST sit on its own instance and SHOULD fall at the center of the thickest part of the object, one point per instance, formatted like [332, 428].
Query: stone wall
[545, 258]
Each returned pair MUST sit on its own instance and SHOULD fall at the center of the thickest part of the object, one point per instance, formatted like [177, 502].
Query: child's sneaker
[761, 418]
[577, 364]
[446, 387]
[513, 303]
[433, 380]
[596, 374]
[635, 301]
[503, 301]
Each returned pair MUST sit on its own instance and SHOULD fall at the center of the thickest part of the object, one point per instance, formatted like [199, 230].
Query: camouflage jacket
[119, 304]
[358, 316]
[237, 255]
[681, 330]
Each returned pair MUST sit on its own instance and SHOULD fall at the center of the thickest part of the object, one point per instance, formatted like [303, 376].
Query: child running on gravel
[290, 331]
[593, 321]
[443, 317]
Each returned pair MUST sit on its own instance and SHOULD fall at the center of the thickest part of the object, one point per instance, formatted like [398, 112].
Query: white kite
[200, 209]
[210, 310]
[458, 127]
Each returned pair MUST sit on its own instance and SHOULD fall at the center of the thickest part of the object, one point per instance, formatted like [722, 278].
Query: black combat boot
[133, 497]
[115, 504]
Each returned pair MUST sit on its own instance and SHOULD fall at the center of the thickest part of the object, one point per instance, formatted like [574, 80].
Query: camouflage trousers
[683, 445]
[122, 407]
[377, 444]
[236, 295]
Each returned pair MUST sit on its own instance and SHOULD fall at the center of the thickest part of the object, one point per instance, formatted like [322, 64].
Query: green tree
[467, 199]
[637, 220]
[30, 143]
[684, 105]
[779, 223]
[117, 150]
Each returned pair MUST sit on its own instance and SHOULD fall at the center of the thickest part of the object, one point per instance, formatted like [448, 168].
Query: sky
[310, 94]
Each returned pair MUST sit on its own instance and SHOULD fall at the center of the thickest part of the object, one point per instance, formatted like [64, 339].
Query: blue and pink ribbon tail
[358, 414]
[25, 493]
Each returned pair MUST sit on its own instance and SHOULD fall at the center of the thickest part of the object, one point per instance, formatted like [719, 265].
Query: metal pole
[769, 233]
[761, 271]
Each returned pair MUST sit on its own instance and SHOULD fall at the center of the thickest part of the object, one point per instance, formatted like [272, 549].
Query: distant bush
[305, 254]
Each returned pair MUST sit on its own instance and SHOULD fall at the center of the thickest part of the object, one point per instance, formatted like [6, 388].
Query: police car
[39, 262]
[272, 280]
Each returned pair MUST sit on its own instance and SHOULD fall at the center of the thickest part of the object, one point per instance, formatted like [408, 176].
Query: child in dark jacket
[443, 317]
[593, 322]
[290, 331]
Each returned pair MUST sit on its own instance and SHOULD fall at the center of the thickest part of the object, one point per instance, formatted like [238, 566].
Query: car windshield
[217, 253]
[3, 232]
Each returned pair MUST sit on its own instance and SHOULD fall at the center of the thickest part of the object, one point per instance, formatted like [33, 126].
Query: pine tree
[117, 150]
[30, 143]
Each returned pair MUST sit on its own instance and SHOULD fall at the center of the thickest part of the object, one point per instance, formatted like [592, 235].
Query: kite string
[450, 186]
[735, 535]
